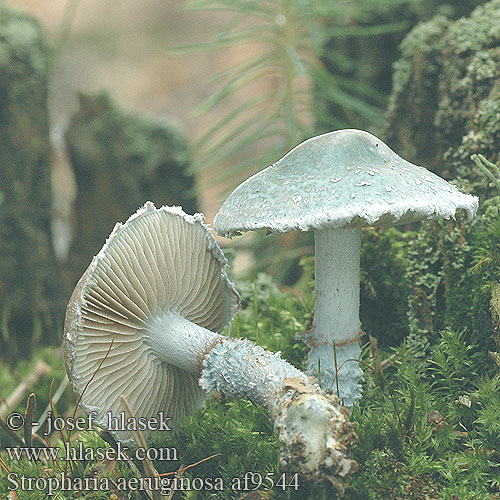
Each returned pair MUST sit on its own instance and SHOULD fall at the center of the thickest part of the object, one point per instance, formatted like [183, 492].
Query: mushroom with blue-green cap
[143, 323]
[161, 264]
[335, 184]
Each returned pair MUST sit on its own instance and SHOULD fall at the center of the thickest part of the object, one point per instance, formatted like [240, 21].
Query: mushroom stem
[336, 317]
[314, 431]
[311, 425]
[337, 253]
[179, 342]
[239, 368]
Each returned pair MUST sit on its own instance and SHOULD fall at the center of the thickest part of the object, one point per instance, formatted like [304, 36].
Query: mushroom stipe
[158, 291]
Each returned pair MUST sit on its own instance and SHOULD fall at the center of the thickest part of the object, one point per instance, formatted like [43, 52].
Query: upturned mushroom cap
[160, 261]
[346, 178]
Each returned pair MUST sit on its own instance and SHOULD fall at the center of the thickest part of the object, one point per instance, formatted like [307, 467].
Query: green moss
[480, 30]
[445, 106]
[451, 268]
[427, 37]
[445, 101]
[416, 73]
[383, 303]
[272, 318]
[405, 450]
[239, 433]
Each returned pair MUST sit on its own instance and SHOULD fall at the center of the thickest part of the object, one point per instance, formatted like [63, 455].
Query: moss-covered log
[27, 264]
[362, 50]
[121, 160]
[445, 103]
[445, 107]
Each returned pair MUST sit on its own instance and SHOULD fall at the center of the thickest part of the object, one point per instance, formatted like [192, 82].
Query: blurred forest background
[105, 105]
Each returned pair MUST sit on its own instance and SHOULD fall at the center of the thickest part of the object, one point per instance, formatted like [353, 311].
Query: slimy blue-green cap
[346, 178]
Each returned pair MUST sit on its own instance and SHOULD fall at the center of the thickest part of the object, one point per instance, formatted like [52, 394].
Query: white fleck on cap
[160, 261]
[346, 178]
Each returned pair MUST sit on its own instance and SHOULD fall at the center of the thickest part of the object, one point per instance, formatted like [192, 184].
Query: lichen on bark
[445, 103]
